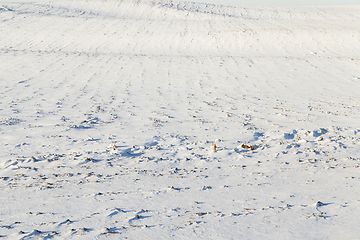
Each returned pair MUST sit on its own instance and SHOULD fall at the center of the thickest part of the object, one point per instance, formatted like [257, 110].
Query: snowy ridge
[146, 9]
[165, 119]
[167, 28]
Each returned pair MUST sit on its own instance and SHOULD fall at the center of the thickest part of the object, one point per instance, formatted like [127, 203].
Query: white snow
[161, 119]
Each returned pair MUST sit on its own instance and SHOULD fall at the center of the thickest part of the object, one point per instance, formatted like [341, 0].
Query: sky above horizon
[254, 2]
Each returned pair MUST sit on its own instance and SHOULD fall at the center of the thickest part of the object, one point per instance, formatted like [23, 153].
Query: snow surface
[160, 119]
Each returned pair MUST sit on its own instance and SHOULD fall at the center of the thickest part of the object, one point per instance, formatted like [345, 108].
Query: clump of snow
[163, 119]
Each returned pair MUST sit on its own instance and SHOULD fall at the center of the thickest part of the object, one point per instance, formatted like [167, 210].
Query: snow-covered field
[160, 119]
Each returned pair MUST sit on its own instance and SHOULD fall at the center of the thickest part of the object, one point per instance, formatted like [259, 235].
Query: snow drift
[162, 119]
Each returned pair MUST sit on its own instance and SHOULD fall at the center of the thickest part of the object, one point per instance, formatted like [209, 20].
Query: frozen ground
[147, 120]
